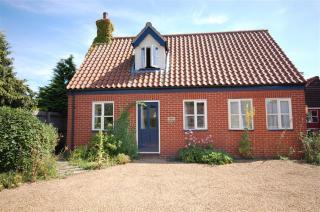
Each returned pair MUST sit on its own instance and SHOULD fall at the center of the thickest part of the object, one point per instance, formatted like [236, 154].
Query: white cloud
[211, 19]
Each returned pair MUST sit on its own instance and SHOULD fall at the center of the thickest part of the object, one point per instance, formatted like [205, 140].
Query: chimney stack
[105, 15]
[104, 30]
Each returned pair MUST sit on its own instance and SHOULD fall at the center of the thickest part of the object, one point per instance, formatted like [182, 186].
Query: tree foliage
[54, 96]
[13, 92]
[26, 143]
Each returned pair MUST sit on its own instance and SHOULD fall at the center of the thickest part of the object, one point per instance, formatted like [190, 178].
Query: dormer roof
[149, 30]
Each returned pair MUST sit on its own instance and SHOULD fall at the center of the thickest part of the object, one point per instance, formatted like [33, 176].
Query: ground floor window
[102, 115]
[240, 114]
[195, 114]
[313, 116]
[279, 114]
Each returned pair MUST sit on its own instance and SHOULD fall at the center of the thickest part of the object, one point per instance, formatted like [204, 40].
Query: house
[204, 82]
[312, 92]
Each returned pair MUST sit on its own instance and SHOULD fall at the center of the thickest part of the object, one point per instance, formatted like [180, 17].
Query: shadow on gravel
[156, 160]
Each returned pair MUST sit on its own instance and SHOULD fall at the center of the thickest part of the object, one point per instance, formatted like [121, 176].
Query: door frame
[137, 125]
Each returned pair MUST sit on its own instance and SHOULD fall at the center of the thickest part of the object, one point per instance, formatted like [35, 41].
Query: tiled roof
[242, 58]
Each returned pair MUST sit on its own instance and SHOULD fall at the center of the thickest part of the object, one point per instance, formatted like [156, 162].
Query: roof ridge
[199, 33]
[222, 32]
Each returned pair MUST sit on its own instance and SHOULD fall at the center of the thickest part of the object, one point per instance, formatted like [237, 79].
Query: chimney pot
[105, 14]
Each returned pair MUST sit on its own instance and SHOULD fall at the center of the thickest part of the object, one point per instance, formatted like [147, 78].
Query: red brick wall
[265, 143]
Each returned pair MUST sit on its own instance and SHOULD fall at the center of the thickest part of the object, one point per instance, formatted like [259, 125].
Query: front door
[148, 127]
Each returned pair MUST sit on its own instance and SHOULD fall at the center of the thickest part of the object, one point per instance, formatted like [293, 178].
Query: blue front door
[148, 127]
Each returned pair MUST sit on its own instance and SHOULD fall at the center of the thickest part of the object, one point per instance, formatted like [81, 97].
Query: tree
[54, 96]
[13, 92]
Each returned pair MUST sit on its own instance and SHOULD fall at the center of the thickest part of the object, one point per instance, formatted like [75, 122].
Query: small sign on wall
[171, 120]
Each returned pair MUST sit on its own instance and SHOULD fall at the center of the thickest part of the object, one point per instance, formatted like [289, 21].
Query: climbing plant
[104, 31]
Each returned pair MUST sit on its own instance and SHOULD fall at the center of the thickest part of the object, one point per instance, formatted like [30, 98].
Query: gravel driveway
[149, 186]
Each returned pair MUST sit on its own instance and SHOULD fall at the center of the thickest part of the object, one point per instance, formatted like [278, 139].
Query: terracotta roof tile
[205, 59]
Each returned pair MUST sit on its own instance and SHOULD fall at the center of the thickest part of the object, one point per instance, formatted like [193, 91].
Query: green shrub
[198, 154]
[191, 154]
[79, 153]
[283, 158]
[311, 145]
[317, 161]
[84, 164]
[97, 154]
[110, 144]
[26, 143]
[10, 179]
[218, 158]
[47, 168]
[118, 142]
[122, 158]
[124, 133]
[245, 145]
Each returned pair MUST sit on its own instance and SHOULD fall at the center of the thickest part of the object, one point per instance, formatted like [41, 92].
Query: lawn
[160, 186]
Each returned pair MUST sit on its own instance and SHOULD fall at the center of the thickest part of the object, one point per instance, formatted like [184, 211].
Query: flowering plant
[192, 140]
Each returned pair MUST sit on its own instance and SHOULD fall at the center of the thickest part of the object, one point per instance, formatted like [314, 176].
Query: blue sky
[41, 32]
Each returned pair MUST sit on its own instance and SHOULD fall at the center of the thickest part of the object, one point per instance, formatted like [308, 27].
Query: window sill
[206, 129]
[98, 130]
[291, 129]
[148, 69]
[240, 129]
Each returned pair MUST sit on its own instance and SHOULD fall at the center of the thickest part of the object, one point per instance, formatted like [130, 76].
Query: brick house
[312, 92]
[204, 82]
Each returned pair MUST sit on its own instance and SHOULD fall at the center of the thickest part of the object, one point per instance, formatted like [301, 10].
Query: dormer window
[149, 57]
[150, 50]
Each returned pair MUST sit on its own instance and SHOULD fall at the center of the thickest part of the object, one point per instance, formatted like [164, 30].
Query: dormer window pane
[143, 55]
[154, 56]
[148, 56]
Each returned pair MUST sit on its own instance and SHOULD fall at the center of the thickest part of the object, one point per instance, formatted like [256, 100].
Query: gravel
[161, 186]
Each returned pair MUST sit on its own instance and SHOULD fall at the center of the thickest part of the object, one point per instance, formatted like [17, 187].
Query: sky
[41, 32]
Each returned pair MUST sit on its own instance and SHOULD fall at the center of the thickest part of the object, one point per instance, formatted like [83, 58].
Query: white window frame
[102, 113]
[241, 127]
[279, 113]
[195, 101]
[143, 59]
[311, 122]
[154, 55]
[152, 52]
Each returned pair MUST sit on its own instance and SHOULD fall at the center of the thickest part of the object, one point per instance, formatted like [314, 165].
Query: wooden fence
[59, 121]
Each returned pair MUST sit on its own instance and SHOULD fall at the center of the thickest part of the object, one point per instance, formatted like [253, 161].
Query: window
[195, 114]
[102, 115]
[313, 116]
[149, 57]
[240, 114]
[143, 55]
[155, 56]
[279, 114]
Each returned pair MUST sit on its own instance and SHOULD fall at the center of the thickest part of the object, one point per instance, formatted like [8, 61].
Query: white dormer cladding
[150, 49]
[156, 51]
